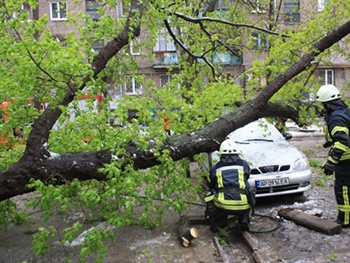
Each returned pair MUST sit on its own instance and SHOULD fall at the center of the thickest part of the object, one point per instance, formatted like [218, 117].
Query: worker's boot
[243, 222]
[214, 227]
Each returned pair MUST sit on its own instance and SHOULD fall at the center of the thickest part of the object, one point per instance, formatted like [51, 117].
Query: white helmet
[327, 93]
[228, 147]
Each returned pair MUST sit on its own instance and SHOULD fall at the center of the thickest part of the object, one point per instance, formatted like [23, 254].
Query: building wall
[147, 67]
[59, 28]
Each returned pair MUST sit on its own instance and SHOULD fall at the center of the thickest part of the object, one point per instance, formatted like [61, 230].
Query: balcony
[227, 58]
[165, 59]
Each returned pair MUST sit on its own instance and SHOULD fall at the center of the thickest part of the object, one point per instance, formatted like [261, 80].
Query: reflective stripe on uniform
[341, 146]
[332, 160]
[326, 132]
[221, 195]
[219, 181]
[338, 145]
[234, 205]
[345, 156]
[340, 129]
[221, 202]
[241, 179]
[346, 207]
[231, 167]
[209, 198]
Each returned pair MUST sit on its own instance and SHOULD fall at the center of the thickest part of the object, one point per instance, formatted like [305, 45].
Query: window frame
[261, 42]
[122, 9]
[324, 74]
[25, 7]
[289, 16]
[91, 8]
[164, 42]
[137, 50]
[166, 77]
[58, 11]
[220, 5]
[134, 83]
[321, 4]
[260, 8]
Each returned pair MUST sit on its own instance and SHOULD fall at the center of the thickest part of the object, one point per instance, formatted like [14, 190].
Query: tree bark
[312, 222]
[186, 233]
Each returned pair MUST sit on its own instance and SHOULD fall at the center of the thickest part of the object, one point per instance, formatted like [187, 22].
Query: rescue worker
[336, 130]
[228, 180]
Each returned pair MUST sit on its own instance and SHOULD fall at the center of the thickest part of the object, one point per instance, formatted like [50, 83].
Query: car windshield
[260, 130]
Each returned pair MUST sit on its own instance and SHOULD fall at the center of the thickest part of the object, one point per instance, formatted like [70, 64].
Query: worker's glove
[328, 168]
[327, 144]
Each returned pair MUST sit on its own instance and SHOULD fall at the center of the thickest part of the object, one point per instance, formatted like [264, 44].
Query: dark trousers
[342, 191]
[243, 215]
[218, 216]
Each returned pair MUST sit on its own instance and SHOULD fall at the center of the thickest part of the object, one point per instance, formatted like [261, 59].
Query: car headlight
[301, 164]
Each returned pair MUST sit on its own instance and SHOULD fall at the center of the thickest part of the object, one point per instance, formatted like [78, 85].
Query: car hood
[263, 153]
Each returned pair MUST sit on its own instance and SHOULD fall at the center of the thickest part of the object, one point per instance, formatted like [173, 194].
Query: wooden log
[261, 251]
[186, 233]
[184, 242]
[201, 220]
[198, 220]
[220, 250]
[322, 225]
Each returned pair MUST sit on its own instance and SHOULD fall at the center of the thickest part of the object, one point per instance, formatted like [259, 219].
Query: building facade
[162, 67]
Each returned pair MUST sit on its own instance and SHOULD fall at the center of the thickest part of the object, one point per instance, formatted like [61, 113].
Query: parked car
[277, 167]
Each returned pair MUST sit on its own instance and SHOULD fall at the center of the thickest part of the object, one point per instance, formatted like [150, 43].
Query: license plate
[271, 183]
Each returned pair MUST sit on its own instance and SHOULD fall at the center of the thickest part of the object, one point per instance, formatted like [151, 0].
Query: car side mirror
[288, 136]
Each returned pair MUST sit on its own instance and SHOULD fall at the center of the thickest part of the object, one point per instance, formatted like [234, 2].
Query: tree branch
[304, 62]
[177, 41]
[225, 22]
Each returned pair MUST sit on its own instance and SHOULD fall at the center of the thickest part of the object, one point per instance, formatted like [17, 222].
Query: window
[327, 76]
[220, 5]
[260, 41]
[92, 9]
[58, 11]
[26, 8]
[122, 9]
[258, 7]
[164, 42]
[291, 12]
[164, 79]
[97, 45]
[133, 86]
[135, 47]
[321, 4]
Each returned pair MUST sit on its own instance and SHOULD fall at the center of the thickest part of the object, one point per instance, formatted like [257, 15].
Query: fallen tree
[36, 161]
[38, 65]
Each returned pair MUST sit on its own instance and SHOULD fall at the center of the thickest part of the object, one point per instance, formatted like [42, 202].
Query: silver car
[277, 167]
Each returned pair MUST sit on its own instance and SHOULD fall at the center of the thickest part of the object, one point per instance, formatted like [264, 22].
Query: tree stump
[186, 233]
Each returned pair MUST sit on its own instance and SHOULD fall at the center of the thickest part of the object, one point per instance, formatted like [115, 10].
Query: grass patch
[315, 164]
[319, 182]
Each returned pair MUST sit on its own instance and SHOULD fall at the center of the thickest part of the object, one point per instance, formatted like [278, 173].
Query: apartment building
[292, 13]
